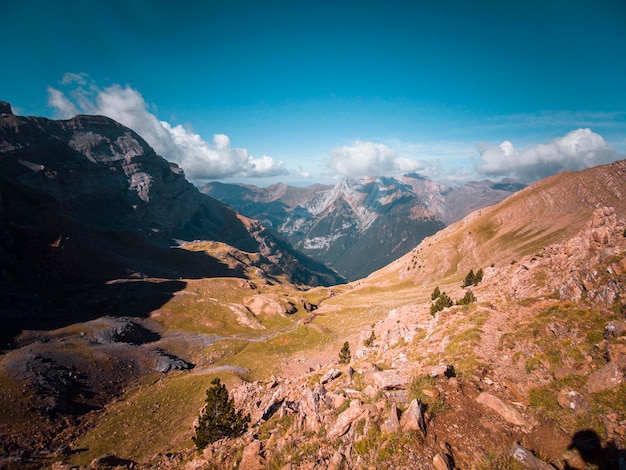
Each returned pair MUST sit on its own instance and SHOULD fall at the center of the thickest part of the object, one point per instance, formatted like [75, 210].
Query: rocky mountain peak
[5, 108]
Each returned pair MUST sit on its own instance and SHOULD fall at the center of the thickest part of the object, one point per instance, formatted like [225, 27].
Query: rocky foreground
[497, 384]
[531, 375]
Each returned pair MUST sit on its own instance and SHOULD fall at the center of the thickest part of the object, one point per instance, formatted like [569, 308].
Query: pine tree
[344, 354]
[443, 301]
[478, 277]
[467, 299]
[219, 419]
[469, 279]
[436, 293]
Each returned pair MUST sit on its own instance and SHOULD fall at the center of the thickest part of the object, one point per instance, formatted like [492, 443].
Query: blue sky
[299, 91]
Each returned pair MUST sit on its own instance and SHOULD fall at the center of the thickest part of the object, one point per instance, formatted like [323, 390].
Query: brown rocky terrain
[530, 373]
[86, 200]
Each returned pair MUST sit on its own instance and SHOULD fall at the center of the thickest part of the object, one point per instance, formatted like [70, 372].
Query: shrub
[219, 419]
[467, 299]
[436, 293]
[444, 301]
[472, 279]
[344, 354]
[369, 342]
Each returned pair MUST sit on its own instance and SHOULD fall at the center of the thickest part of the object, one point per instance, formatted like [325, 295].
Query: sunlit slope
[546, 212]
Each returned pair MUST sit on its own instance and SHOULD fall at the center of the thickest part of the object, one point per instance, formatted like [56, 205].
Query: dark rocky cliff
[88, 200]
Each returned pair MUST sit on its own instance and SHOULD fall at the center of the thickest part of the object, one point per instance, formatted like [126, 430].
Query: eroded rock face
[93, 178]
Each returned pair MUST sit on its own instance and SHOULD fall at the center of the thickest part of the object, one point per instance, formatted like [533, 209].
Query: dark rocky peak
[5, 108]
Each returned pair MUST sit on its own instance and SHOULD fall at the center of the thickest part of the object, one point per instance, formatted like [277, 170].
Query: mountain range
[360, 224]
[496, 342]
[88, 200]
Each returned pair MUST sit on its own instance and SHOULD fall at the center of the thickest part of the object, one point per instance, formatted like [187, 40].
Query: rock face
[5, 108]
[360, 224]
[88, 200]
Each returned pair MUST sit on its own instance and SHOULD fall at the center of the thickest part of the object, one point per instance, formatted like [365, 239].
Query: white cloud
[577, 150]
[369, 159]
[64, 107]
[199, 159]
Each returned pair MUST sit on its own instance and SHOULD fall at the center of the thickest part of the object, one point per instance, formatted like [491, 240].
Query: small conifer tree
[469, 279]
[443, 301]
[478, 277]
[369, 342]
[436, 293]
[219, 419]
[467, 299]
[344, 354]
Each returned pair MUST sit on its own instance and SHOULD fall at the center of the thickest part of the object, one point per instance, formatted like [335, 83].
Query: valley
[114, 327]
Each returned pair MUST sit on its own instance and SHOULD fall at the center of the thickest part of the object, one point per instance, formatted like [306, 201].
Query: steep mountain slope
[87, 200]
[360, 225]
[552, 209]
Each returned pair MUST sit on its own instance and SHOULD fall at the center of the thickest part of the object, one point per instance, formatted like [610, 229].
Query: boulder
[506, 411]
[413, 418]
[442, 462]
[441, 370]
[388, 379]
[251, 458]
[528, 459]
[615, 329]
[609, 376]
[329, 376]
[108, 461]
[345, 419]
[570, 399]
[392, 424]
[337, 461]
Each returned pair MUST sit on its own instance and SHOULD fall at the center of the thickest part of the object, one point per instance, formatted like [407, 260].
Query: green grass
[157, 417]
[434, 405]
[265, 358]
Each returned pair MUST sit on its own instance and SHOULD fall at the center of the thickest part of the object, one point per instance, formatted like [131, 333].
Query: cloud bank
[577, 150]
[369, 159]
[199, 159]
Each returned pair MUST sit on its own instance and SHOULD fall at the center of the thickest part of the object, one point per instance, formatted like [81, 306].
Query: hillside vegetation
[527, 372]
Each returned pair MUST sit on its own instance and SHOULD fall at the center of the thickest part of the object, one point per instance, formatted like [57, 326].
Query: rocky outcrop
[88, 198]
[5, 108]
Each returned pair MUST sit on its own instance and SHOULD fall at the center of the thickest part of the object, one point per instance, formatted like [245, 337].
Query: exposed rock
[251, 458]
[528, 459]
[310, 411]
[337, 461]
[5, 108]
[266, 305]
[388, 379]
[570, 399]
[441, 462]
[413, 418]
[615, 329]
[507, 412]
[617, 354]
[345, 419]
[441, 370]
[609, 376]
[392, 424]
[109, 330]
[110, 461]
[329, 376]
[165, 362]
